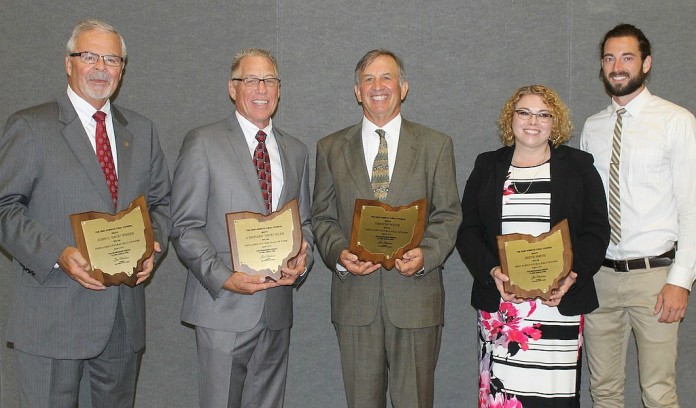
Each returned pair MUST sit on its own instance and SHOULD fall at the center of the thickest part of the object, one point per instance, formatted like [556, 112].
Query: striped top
[527, 200]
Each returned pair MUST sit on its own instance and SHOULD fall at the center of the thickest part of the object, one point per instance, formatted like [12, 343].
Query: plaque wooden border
[122, 277]
[388, 261]
[232, 234]
[544, 293]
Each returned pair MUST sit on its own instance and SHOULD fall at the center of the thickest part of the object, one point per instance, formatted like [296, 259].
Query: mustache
[619, 73]
[99, 76]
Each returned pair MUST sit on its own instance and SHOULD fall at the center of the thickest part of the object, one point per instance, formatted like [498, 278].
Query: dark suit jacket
[215, 175]
[424, 168]
[577, 194]
[49, 170]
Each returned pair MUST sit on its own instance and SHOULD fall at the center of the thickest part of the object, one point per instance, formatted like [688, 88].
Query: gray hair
[373, 55]
[93, 24]
[252, 52]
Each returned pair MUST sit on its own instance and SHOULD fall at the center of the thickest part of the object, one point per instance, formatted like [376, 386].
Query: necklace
[536, 173]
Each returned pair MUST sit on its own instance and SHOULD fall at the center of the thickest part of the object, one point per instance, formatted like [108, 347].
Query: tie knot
[620, 111]
[381, 133]
[261, 136]
[99, 116]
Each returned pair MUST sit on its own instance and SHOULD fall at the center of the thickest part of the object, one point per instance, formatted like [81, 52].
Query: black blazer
[577, 193]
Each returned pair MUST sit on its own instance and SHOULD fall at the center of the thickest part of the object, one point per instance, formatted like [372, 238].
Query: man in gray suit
[242, 321]
[388, 322]
[61, 319]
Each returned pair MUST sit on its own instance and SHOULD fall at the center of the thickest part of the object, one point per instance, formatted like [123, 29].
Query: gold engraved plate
[115, 245]
[536, 265]
[381, 233]
[262, 245]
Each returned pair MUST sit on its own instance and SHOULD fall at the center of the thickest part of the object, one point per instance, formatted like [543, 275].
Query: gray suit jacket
[48, 170]
[215, 175]
[424, 168]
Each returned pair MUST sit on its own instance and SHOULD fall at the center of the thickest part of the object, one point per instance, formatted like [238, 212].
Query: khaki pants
[626, 303]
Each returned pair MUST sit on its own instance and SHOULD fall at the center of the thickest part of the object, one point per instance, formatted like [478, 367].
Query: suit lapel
[354, 156]
[76, 138]
[502, 167]
[124, 143]
[288, 175]
[410, 144]
[558, 172]
[243, 158]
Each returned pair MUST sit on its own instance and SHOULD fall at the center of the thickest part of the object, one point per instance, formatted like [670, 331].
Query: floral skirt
[529, 357]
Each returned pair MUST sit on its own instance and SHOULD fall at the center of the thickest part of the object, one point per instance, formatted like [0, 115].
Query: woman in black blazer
[530, 348]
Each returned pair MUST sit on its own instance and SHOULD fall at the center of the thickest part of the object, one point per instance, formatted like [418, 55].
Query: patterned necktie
[106, 160]
[614, 190]
[262, 162]
[380, 169]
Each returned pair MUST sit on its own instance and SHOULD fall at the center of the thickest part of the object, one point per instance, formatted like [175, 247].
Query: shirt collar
[392, 128]
[84, 109]
[250, 130]
[635, 106]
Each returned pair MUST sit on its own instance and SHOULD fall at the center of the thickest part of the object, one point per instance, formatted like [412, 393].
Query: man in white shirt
[62, 319]
[645, 150]
[388, 321]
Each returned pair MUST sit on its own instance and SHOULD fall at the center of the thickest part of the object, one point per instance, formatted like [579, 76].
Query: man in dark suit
[242, 321]
[388, 322]
[62, 319]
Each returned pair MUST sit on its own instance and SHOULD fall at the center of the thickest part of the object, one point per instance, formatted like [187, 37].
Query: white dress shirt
[85, 111]
[657, 179]
[250, 130]
[370, 141]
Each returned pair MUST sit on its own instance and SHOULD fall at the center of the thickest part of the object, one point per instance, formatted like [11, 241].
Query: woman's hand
[499, 277]
[557, 294]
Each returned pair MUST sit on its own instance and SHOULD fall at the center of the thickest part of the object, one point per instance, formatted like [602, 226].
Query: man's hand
[672, 301]
[411, 263]
[355, 266]
[242, 283]
[296, 265]
[77, 268]
[499, 277]
[148, 266]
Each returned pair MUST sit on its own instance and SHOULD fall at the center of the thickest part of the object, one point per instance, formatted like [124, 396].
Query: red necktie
[106, 160]
[262, 162]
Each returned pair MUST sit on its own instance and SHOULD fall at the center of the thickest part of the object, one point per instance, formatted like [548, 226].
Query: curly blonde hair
[562, 125]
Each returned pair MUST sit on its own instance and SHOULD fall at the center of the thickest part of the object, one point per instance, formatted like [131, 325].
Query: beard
[99, 92]
[619, 89]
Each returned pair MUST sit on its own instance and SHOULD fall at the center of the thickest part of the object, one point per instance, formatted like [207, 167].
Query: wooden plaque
[263, 244]
[115, 245]
[382, 233]
[535, 265]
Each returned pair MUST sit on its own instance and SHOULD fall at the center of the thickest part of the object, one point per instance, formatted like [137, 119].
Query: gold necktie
[380, 169]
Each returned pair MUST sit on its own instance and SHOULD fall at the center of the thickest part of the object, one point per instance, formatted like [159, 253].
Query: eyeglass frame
[542, 117]
[103, 57]
[254, 82]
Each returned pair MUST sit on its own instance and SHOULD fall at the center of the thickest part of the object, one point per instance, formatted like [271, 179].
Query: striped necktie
[614, 189]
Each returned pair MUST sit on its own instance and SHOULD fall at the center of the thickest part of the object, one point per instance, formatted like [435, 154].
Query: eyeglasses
[542, 117]
[254, 82]
[91, 58]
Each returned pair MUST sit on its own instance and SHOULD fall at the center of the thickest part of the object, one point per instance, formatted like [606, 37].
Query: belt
[665, 259]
